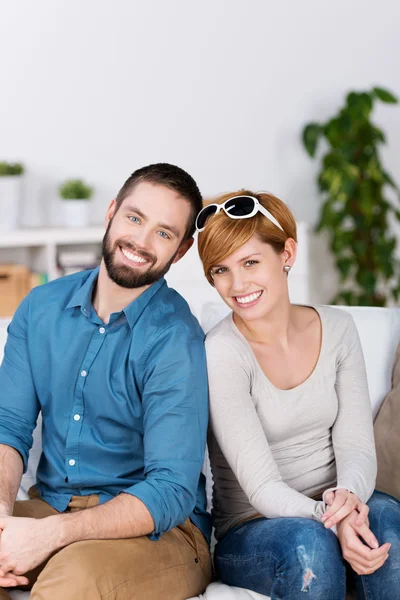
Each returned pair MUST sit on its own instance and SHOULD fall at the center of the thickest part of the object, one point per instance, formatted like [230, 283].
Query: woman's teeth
[249, 298]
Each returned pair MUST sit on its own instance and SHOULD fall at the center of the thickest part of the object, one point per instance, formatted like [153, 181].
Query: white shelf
[38, 247]
[22, 238]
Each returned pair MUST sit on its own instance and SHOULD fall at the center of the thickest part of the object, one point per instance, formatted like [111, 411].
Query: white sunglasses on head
[237, 207]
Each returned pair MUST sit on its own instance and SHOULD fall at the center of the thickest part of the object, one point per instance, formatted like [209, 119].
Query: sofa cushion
[387, 437]
[219, 591]
[379, 331]
[18, 595]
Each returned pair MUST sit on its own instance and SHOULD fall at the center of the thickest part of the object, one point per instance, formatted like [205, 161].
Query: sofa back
[379, 330]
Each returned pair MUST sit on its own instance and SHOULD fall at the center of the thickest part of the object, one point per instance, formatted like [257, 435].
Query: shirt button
[71, 462]
[77, 417]
[83, 373]
[102, 330]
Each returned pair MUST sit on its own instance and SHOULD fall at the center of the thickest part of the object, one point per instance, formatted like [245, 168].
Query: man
[114, 359]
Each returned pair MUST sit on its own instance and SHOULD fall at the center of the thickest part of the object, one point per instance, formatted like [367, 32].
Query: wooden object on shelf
[15, 283]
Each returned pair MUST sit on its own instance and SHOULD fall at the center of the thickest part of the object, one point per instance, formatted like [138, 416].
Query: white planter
[10, 198]
[75, 213]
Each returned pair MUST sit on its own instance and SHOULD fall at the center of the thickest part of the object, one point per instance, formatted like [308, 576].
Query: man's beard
[125, 276]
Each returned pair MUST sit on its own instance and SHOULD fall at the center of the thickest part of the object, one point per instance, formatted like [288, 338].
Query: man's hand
[25, 544]
[363, 560]
[9, 580]
[341, 504]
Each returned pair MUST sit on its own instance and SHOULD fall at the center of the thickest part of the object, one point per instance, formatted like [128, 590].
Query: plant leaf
[387, 179]
[385, 96]
[344, 265]
[311, 134]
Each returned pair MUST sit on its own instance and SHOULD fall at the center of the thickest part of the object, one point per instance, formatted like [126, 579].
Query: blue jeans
[284, 558]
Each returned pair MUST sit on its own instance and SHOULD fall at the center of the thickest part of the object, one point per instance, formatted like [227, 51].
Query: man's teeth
[249, 298]
[133, 257]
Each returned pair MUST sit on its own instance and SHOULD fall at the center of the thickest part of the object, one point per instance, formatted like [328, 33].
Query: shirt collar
[83, 298]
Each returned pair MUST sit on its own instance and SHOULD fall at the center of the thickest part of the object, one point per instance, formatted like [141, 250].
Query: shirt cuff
[346, 486]
[151, 499]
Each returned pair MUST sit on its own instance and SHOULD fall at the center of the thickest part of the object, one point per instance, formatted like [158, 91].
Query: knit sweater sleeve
[352, 432]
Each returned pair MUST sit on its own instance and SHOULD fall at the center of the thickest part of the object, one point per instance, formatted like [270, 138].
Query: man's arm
[175, 417]
[10, 477]
[123, 517]
[19, 408]
[26, 543]
[19, 405]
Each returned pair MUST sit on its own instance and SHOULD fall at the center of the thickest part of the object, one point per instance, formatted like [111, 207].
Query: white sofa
[379, 331]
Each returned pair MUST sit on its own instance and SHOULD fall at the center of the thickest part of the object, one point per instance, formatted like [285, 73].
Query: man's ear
[110, 212]
[183, 248]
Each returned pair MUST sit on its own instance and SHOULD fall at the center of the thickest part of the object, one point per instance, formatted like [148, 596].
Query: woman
[291, 439]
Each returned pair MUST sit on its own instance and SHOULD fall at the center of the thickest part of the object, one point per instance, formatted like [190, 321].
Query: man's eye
[134, 219]
[163, 235]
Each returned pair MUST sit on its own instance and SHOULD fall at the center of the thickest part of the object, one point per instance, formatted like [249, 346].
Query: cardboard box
[15, 283]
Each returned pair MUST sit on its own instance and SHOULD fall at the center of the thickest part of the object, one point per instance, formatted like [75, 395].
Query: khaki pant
[175, 567]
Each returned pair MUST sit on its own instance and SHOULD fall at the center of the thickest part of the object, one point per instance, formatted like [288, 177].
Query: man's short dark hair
[171, 177]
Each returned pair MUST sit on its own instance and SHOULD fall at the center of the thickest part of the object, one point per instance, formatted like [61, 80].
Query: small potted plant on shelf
[75, 194]
[10, 194]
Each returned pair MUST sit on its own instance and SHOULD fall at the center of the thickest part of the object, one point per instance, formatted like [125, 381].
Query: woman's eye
[134, 219]
[250, 263]
[163, 235]
[219, 271]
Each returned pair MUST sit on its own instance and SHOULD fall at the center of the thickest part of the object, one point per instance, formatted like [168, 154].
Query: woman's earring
[287, 268]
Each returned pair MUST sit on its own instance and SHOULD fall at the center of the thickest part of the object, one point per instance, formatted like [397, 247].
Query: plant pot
[76, 213]
[10, 198]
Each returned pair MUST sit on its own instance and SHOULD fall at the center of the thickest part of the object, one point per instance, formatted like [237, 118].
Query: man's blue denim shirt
[124, 405]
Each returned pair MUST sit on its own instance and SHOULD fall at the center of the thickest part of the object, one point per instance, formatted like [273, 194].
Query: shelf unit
[37, 247]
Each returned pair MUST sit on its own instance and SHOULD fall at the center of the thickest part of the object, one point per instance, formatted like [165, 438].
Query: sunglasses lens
[241, 206]
[204, 215]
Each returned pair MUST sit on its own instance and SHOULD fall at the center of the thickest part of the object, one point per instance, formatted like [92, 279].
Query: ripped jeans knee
[308, 575]
[288, 559]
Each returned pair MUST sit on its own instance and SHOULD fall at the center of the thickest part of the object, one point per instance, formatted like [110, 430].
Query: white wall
[220, 87]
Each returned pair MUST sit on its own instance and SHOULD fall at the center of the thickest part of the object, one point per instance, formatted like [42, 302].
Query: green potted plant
[75, 195]
[356, 207]
[10, 194]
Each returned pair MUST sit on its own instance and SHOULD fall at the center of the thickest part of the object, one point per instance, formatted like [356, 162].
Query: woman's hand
[363, 559]
[341, 504]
